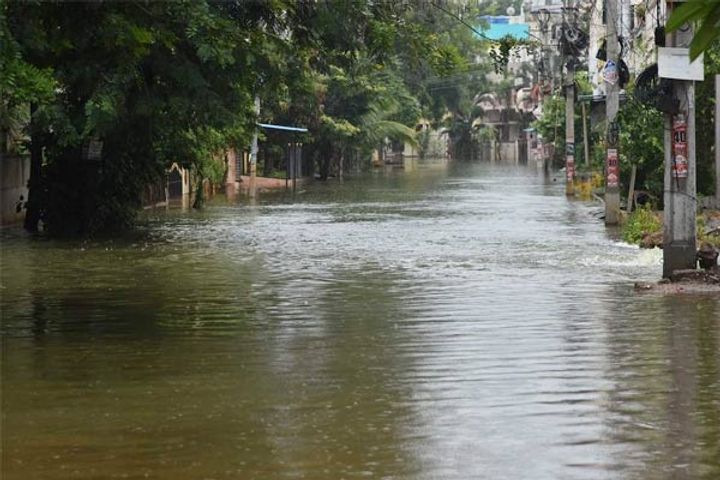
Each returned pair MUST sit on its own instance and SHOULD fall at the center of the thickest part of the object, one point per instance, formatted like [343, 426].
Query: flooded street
[436, 324]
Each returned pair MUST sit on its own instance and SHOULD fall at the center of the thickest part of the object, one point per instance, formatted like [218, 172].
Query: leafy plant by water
[641, 222]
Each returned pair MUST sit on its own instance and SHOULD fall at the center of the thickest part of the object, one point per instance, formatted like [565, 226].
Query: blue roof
[498, 29]
[282, 127]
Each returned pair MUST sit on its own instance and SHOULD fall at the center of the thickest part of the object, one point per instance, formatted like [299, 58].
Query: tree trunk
[35, 183]
[341, 163]
[325, 158]
[199, 194]
[268, 163]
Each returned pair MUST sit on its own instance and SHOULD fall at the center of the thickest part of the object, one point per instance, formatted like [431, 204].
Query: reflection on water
[433, 324]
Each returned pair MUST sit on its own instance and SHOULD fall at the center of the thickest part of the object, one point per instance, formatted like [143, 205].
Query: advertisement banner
[570, 167]
[613, 168]
[680, 149]
[610, 72]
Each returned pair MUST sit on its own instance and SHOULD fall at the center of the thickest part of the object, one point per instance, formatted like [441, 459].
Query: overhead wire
[459, 19]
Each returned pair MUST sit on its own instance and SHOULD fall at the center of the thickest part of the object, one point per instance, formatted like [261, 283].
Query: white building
[636, 24]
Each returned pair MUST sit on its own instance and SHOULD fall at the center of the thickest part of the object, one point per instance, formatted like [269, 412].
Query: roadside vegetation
[641, 135]
[641, 223]
[644, 227]
[105, 96]
[105, 109]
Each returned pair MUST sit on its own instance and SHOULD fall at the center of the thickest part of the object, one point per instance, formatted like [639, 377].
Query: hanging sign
[674, 62]
[680, 148]
[610, 72]
[613, 168]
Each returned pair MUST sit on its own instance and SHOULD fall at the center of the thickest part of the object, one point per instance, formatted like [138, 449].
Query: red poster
[680, 149]
[613, 168]
[570, 167]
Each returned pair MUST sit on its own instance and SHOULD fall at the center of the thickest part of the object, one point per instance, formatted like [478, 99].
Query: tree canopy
[151, 83]
[706, 13]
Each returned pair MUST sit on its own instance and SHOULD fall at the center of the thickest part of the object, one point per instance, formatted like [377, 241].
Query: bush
[714, 240]
[641, 144]
[641, 222]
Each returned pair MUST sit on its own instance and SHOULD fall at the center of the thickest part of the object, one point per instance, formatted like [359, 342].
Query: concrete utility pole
[612, 105]
[586, 139]
[570, 129]
[625, 19]
[679, 235]
[254, 152]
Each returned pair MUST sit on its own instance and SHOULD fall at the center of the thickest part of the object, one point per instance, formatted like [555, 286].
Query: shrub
[641, 222]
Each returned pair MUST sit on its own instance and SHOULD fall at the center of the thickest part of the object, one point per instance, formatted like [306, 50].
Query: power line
[459, 19]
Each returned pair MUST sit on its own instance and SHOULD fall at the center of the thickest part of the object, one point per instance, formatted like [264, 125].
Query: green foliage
[337, 129]
[706, 13]
[21, 84]
[163, 82]
[642, 139]
[705, 122]
[641, 144]
[485, 134]
[641, 222]
[701, 224]
[155, 83]
[281, 174]
[582, 83]
[551, 126]
[502, 50]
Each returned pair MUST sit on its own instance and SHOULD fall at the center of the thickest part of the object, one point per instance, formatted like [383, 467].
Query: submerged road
[461, 324]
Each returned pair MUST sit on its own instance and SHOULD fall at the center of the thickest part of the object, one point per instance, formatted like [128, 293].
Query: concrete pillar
[231, 165]
[679, 235]
[586, 137]
[540, 156]
[530, 137]
[570, 130]
[612, 105]
[594, 41]
[231, 177]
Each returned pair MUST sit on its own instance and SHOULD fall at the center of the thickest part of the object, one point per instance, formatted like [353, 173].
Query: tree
[25, 88]
[144, 84]
[152, 82]
[706, 13]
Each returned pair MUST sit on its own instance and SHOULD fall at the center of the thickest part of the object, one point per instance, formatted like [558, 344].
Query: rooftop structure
[503, 26]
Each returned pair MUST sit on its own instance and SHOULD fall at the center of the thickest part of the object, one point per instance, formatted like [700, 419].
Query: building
[636, 25]
[507, 112]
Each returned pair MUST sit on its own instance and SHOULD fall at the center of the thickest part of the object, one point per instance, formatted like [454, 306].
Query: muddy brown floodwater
[437, 324]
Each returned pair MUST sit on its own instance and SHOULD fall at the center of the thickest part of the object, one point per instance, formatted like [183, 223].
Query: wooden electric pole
[679, 234]
[612, 105]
